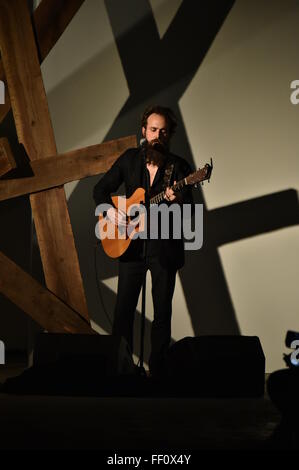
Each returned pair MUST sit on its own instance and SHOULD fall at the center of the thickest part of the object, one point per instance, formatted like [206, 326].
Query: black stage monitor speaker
[108, 355]
[75, 364]
[217, 366]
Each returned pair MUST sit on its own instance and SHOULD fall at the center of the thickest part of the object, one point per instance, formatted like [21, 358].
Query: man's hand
[171, 196]
[116, 216]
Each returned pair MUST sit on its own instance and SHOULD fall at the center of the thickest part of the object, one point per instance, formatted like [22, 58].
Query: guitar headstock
[201, 174]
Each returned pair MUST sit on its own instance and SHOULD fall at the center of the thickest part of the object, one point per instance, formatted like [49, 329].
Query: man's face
[156, 130]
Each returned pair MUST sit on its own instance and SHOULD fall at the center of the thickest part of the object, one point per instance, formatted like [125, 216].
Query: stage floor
[123, 423]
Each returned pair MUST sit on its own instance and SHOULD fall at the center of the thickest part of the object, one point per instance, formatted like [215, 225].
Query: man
[148, 167]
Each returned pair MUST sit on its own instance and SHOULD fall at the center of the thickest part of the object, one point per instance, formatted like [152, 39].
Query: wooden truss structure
[24, 42]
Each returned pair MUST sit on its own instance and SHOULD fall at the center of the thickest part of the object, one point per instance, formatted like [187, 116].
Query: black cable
[140, 366]
[98, 283]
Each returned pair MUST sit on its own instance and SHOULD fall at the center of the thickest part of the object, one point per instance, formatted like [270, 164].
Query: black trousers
[131, 275]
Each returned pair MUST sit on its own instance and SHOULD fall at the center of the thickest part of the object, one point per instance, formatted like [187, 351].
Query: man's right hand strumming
[116, 216]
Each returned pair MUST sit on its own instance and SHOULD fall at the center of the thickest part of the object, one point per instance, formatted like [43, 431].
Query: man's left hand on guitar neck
[172, 196]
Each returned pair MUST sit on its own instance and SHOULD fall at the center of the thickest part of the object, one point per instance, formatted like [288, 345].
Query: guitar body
[115, 245]
[116, 239]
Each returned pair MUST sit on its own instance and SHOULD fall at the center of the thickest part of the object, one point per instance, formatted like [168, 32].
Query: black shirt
[130, 169]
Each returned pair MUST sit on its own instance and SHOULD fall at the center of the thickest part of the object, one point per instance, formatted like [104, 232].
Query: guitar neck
[198, 176]
[176, 187]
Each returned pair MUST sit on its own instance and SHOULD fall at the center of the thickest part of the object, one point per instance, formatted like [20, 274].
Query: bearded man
[150, 166]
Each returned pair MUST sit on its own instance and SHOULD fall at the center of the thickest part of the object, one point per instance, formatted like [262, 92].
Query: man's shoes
[140, 371]
[157, 375]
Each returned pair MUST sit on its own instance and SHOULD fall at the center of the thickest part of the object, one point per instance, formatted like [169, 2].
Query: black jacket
[130, 169]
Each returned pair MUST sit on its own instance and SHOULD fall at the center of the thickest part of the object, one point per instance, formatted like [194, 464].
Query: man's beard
[156, 152]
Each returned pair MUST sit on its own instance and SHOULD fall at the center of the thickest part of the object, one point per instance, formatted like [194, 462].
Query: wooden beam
[4, 108]
[50, 19]
[35, 132]
[87, 161]
[38, 302]
[71, 166]
[22, 70]
[7, 161]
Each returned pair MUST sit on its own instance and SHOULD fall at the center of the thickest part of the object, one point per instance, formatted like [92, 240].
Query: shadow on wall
[177, 63]
[177, 57]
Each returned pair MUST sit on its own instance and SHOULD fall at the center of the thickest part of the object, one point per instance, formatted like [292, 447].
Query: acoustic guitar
[116, 238]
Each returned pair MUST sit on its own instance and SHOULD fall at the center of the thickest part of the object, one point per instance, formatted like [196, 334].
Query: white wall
[238, 110]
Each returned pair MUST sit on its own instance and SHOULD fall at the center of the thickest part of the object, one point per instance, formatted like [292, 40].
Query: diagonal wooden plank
[7, 161]
[70, 166]
[38, 302]
[89, 161]
[28, 98]
[50, 19]
[35, 132]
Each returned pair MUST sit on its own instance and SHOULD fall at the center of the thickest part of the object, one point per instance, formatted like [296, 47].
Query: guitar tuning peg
[202, 183]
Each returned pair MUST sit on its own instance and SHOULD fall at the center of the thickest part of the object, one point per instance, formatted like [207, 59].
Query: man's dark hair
[168, 114]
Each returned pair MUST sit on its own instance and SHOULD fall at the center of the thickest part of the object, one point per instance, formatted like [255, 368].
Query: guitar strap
[167, 175]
